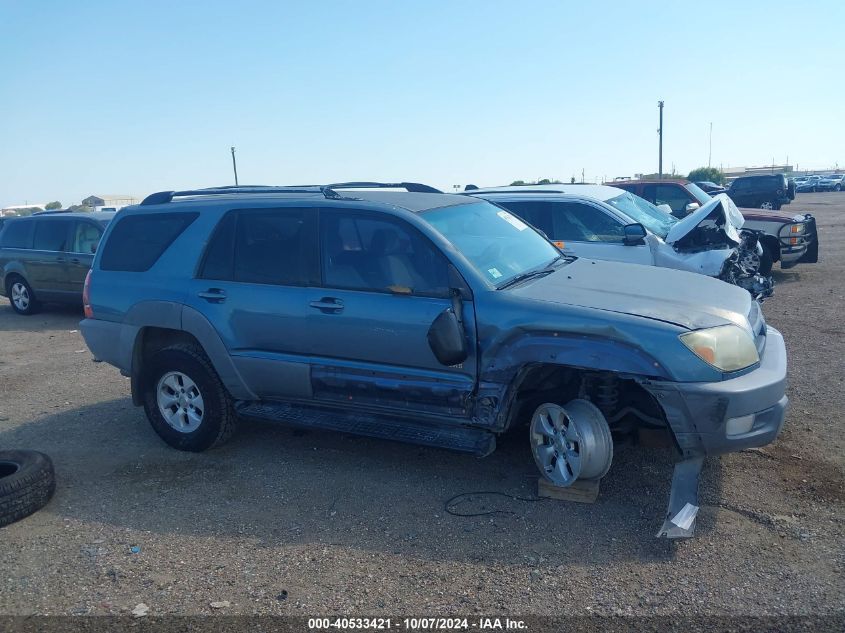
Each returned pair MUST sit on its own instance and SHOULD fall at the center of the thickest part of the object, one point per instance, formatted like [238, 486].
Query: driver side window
[569, 221]
[361, 252]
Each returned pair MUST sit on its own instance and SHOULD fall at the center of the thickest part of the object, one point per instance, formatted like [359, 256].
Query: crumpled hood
[729, 210]
[686, 299]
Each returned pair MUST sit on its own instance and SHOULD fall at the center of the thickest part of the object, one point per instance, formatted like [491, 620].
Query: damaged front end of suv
[712, 241]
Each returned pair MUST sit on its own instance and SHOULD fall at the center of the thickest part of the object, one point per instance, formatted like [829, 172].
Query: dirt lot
[286, 522]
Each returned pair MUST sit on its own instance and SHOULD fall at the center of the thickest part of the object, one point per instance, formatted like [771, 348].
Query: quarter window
[361, 252]
[137, 241]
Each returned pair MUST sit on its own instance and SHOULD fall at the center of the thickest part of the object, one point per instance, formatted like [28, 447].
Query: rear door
[382, 286]
[581, 228]
[252, 287]
[47, 263]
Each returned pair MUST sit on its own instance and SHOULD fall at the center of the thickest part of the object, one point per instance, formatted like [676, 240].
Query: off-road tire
[27, 482]
[218, 421]
[34, 305]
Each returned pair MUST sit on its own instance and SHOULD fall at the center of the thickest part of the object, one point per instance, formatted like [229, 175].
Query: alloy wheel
[180, 402]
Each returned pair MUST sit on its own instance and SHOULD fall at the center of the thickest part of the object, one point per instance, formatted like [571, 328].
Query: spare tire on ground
[27, 482]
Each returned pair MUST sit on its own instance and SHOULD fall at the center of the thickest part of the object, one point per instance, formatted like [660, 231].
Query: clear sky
[133, 97]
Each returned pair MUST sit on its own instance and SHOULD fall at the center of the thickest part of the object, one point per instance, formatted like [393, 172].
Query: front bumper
[719, 417]
[730, 415]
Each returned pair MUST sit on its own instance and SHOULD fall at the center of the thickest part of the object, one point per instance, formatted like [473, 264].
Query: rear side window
[137, 241]
[259, 247]
[51, 235]
[17, 234]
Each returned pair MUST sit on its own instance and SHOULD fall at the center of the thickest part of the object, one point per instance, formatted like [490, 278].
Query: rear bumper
[731, 415]
[110, 342]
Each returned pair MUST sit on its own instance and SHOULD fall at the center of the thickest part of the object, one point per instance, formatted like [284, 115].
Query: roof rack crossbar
[162, 197]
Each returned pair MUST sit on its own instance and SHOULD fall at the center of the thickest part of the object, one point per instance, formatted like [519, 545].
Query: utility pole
[235, 166]
[710, 150]
[660, 146]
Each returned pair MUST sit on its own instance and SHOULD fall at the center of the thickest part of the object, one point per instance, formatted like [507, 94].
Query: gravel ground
[279, 521]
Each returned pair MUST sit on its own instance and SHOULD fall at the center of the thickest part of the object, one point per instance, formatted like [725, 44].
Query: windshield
[702, 196]
[499, 245]
[642, 211]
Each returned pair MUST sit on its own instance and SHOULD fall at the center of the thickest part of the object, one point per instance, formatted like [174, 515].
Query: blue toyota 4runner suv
[419, 316]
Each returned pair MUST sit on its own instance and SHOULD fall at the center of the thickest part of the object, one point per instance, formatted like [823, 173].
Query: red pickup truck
[787, 239]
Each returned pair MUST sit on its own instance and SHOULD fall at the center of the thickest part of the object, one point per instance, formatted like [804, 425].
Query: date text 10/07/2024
[417, 624]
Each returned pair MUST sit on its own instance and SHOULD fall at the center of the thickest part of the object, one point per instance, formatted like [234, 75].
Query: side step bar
[463, 439]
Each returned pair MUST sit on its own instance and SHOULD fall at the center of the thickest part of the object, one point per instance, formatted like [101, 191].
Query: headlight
[727, 347]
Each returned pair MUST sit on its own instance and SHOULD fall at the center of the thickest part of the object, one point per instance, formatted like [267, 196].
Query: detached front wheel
[185, 401]
[571, 442]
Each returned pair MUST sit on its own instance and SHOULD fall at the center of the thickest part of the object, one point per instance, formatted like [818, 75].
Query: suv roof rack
[162, 197]
[411, 187]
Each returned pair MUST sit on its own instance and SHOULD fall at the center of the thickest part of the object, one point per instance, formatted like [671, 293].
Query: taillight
[86, 297]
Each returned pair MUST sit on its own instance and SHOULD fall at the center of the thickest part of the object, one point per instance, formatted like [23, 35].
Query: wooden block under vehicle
[582, 490]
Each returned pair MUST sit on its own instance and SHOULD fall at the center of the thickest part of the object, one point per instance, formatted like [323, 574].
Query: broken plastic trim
[683, 500]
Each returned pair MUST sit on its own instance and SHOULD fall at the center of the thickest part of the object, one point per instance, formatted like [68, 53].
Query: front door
[85, 235]
[383, 285]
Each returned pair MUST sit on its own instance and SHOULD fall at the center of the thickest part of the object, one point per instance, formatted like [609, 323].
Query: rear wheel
[571, 442]
[185, 401]
[21, 296]
[768, 205]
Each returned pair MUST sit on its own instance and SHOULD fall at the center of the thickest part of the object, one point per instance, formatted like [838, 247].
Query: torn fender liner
[683, 500]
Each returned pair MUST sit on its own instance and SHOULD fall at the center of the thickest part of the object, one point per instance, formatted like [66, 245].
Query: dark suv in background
[45, 258]
[762, 192]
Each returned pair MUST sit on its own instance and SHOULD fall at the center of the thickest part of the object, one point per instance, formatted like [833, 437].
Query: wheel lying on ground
[27, 482]
[571, 442]
[21, 296]
[185, 401]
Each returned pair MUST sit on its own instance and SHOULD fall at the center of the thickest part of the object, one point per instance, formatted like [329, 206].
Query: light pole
[235, 166]
[710, 150]
[660, 145]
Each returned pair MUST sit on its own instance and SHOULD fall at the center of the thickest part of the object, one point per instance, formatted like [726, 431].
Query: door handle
[213, 295]
[61, 259]
[328, 305]
[75, 260]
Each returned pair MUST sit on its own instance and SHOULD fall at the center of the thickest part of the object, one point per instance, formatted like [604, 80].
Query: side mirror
[665, 208]
[634, 234]
[446, 339]
[692, 206]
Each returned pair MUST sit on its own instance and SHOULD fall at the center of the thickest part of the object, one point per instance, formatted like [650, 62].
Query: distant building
[13, 209]
[735, 172]
[115, 201]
